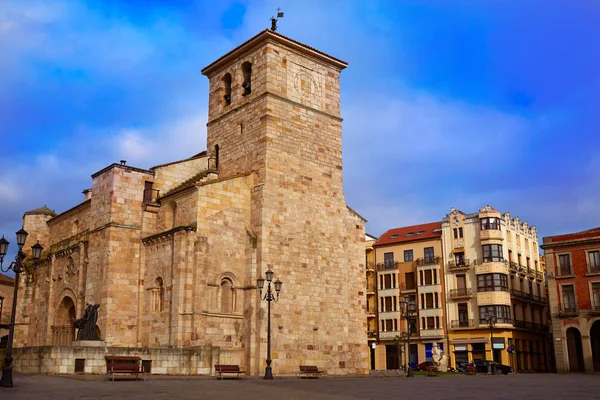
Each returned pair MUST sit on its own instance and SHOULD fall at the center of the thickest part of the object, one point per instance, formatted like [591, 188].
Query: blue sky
[445, 103]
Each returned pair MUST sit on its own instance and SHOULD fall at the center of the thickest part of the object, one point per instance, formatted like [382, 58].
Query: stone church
[172, 253]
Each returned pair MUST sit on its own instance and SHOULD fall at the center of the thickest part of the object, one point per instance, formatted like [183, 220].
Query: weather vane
[274, 20]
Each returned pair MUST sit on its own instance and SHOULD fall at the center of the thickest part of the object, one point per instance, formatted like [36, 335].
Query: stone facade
[7, 285]
[573, 263]
[172, 253]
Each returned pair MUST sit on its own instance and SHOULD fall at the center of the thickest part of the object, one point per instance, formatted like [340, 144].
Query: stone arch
[595, 343]
[574, 350]
[247, 75]
[63, 332]
[158, 295]
[226, 293]
[227, 88]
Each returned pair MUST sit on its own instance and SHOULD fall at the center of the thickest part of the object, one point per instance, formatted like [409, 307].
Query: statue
[439, 358]
[86, 325]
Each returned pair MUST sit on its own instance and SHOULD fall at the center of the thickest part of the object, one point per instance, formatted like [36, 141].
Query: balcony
[463, 293]
[513, 266]
[520, 295]
[428, 261]
[531, 272]
[388, 334]
[568, 312]
[498, 321]
[407, 289]
[431, 333]
[593, 309]
[457, 324]
[459, 266]
[522, 270]
[370, 266]
[530, 326]
[539, 275]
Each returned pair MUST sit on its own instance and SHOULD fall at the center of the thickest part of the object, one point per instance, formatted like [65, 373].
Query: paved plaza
[520, 386]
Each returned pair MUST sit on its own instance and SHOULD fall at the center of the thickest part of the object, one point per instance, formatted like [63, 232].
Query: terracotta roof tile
[411, 233]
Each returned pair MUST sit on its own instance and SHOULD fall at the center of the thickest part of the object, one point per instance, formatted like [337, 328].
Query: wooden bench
[221, 369]
[431, 371]
[471, 370]
[124, 365]
[310, 371]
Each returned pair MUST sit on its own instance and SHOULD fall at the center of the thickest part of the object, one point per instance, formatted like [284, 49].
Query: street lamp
[409, 308]
[17, 267]
[491, 320]
[268, 297]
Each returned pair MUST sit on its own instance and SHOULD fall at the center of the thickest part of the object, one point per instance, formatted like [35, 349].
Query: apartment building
[407, 268]
[371, 307]
[495, 290]
[573, 262]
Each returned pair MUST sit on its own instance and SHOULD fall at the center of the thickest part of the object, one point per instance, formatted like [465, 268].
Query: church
[172, 254]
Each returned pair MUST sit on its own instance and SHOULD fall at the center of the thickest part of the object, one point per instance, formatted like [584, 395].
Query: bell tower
[274, 112]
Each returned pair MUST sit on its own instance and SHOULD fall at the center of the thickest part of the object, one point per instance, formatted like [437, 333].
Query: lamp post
[409, 308]
[17, 267]
[491, 320]
[268, 297]
[398, 340]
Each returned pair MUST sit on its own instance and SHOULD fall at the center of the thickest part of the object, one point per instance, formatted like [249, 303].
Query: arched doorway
[575, 350]
[595, 341]
[63, 332]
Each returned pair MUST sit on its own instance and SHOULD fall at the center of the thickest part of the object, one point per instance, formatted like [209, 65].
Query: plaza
[448, 387]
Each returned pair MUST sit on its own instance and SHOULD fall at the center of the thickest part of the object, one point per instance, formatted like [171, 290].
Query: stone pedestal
[88, 343]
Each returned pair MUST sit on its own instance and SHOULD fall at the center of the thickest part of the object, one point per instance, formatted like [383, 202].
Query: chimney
[123, 162]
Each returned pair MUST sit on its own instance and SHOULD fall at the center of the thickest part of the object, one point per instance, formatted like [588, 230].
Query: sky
[445, 103]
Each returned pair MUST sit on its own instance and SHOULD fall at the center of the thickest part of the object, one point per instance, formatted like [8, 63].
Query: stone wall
[198, 360]
[167, 177]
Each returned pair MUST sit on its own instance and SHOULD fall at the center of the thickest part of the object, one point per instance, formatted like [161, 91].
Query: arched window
[75, 227]
[158, 295]
[227, 87]
[247, 72]
[227, 292]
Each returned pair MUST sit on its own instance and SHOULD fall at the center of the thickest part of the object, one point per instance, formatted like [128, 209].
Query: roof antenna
[274, 20]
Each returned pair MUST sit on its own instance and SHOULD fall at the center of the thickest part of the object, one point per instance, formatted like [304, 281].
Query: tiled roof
[587, 234]
[41, 211]
[7, 279]
[411, 233]
[267, 32]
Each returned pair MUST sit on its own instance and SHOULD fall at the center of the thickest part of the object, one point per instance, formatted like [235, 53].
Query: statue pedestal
[89, 343]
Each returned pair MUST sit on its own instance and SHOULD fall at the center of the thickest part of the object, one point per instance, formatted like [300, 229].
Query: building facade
[495, 289]
[7, 285]
[573, 262]
[408, 267]
[371, 305]
[172, 253]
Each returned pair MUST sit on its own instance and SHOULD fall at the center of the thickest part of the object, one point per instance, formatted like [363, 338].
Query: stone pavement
[447, 387]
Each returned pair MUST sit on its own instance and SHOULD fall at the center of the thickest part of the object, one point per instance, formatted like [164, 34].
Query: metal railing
[459, 265]
[458, 293]
[568, 310]
[461, 323]
[530, 325]
[428, 260]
